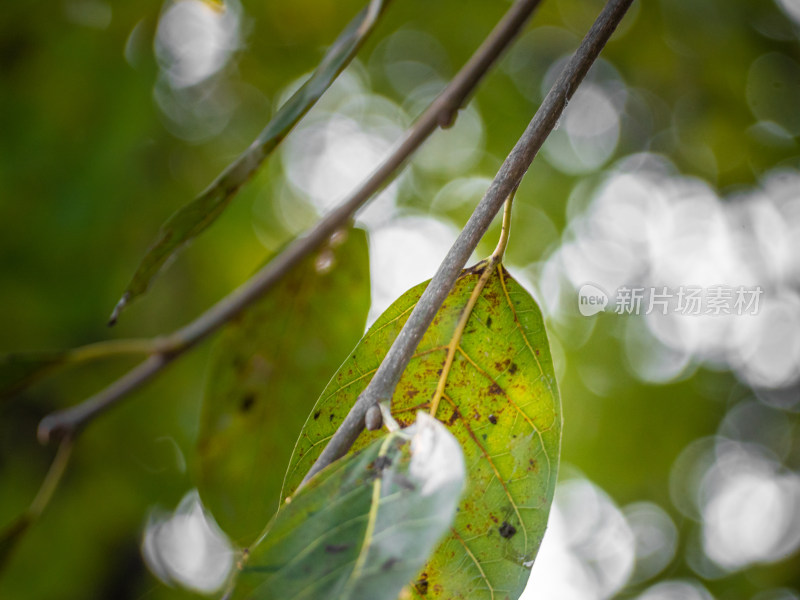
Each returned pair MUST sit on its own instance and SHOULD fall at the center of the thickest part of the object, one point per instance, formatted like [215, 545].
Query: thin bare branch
[382, 385]
[441, 113]
[13, 534]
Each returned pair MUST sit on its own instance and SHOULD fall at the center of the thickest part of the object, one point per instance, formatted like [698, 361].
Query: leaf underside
[266, 371]
[362, 527]
[500, 401]
[193, 218]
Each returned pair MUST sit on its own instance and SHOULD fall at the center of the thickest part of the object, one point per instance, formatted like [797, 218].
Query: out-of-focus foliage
[490, 379]
[200, 213]
[285, 346]
[676, 164]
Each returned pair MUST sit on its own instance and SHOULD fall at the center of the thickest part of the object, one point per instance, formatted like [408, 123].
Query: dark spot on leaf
[492, 419]
[381, 463]
[502, 365]
[316, 415]
[484, 436]
[489, 322]
[421, 584]
[330, 417]
[390, 562]
[513, 368]
[453, 417]
[411, 393]
[495, 389]
[507, 530]
[336, 548]
[536, 351]
[493, 518]
[247, 403]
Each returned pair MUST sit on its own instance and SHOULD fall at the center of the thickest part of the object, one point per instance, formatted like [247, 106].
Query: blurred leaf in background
[676, 164]
[283, 347]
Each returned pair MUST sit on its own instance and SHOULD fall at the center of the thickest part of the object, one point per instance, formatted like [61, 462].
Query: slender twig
[110, 348]
[52, 479]
[382, 385]
[440, 113]
[505, 229]
[488, 267]
[11, 536]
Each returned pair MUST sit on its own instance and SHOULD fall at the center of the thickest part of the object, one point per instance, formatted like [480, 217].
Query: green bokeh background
[89, 170]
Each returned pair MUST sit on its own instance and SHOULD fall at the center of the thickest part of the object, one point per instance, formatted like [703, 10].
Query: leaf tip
[123, 302]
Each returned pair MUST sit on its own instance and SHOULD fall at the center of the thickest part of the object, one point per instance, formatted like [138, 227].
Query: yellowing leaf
[498, 396]
[267, 369]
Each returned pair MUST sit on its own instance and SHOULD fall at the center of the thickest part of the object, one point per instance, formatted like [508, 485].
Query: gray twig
[382, 385]
[441, 112]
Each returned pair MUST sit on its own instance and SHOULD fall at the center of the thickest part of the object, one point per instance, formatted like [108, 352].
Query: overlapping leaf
[498, 397]
[266, 372]
[362, 527]
[193, 218]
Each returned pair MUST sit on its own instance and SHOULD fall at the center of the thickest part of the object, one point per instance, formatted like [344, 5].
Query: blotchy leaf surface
[499, 398]
[266, 371]
[364, 526]
[193, 218]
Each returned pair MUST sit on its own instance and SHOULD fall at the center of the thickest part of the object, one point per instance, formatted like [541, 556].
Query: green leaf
[266, 372]
[364, 526]
[195, 217]
[498, 397]
[21, 369]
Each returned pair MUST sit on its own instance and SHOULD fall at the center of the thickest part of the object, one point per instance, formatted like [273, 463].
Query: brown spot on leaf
[453, 417]
[513, 368]
[495, 390]
[492, 419]
[489, 322]
[411, 393]
[507, 530]
[421, 584]
[316, 415]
